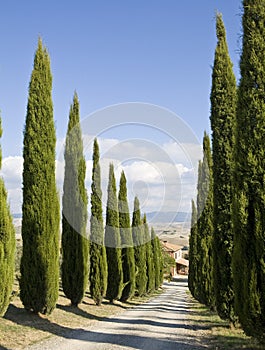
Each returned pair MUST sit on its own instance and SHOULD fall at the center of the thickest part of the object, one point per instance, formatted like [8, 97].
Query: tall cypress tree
[158, 259]
[128, 262]
[150, 285]
[7, 245]
[139, 249]
[249, 204]
[200, 191]
[157, 262]
[205, 227]
[200, 206]
[161, 259]
[223, 109]
[74, 213]
[113, 241]
[193, 252]
[39, 283]
[98, 259]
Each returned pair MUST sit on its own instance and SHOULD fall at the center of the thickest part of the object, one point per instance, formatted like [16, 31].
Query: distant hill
[154, 217]
[168, 217]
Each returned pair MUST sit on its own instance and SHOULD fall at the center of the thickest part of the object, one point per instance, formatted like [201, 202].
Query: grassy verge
[20, 328]
[219, 334]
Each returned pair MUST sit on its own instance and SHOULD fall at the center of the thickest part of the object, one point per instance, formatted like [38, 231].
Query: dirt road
[161, 324]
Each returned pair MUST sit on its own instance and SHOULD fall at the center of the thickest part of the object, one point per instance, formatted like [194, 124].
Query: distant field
[175, 233]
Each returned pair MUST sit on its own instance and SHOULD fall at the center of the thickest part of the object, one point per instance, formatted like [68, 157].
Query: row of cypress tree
[228, 226]
[117, 261]
[125, 260]
[201, 255]
[108, 256]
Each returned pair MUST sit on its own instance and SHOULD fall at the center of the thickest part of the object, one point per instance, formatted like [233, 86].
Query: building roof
[183, 262]
[169, 247]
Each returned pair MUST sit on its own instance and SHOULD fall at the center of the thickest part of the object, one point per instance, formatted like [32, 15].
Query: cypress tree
[128, 262]
[198, 290]
[157, 262]
[223, 109]
[150, 285]
[113, 241]
[205, 227]
[74, 212]
[139, 249]
[200, 192]
[161, 258]
[249, 175]
[39, 283]
[158, 259]
[98, 259]
[193, 252]
[195, 238]
[7, 246]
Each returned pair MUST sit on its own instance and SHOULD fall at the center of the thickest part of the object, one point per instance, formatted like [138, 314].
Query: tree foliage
[128, 262]
[249, 203]
[223, 109]
[98, 259]
[139, 249]
[74, 212]
[158, 259]
[39, 283]
[7, 246]
[205, 292]
[193, 253]
[150, 285]
[113, 241]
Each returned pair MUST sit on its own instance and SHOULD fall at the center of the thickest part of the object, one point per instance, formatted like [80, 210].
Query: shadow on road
[136, 342]
[169, 307]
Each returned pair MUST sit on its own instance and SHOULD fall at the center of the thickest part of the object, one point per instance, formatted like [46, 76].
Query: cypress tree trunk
[7, 246]
[139, 249]
[249, 204]
[74, 213]
[193, 253]
[39, 283]
[128, 262]
[113, 242]
[150, 285]
[223, 109]
[98, 259]
[205, 227]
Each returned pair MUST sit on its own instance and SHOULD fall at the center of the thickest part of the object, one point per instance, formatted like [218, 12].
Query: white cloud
[142, 171]
[15, 199]
[162, 176]
[11, 172]
[184, 153]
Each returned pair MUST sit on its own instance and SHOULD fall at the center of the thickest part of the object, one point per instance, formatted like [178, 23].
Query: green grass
[220, 336]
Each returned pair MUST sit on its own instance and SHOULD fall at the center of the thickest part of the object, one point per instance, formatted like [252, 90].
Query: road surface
[160, 324]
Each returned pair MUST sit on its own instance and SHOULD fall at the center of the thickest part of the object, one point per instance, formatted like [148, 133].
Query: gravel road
[160, 324]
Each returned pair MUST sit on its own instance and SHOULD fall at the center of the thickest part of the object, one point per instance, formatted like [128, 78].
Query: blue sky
[111, 52]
